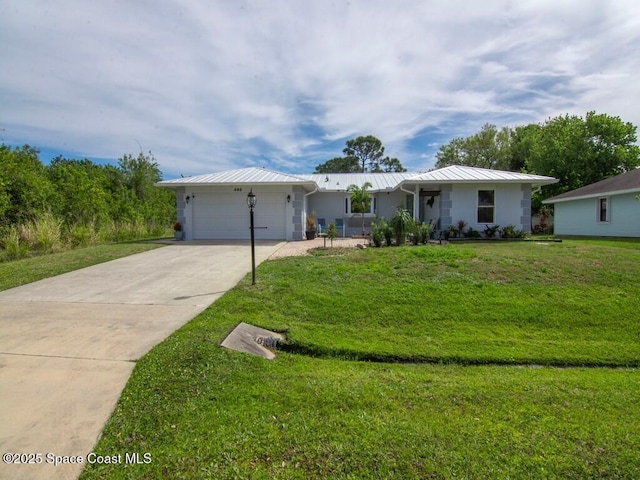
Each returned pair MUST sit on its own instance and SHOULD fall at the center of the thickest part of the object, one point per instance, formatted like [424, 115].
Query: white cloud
[214, 85]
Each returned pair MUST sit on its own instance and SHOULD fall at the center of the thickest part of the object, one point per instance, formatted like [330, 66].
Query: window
[372, 206]
[486, 206]
[409, 203]
[603, 209]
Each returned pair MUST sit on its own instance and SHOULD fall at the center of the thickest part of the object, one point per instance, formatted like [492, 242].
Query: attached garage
[225, 216]
[214, 207]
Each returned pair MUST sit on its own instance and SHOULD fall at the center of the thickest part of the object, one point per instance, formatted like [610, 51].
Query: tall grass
[43, 234]
[14, 247]
[48, 234]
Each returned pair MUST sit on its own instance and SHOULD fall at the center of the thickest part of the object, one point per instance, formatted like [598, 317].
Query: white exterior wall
[388, 203]
[231, 217]
[508, 205]
[331, 205]
[580, 217]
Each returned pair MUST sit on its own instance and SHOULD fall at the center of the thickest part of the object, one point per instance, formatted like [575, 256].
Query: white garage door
[226, 217]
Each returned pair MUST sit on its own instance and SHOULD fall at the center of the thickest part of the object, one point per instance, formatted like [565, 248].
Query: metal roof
[628, 182]
[336, 182]
[464, 174]
[239, 176]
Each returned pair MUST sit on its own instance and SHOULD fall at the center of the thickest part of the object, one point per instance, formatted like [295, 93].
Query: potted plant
[178, 233]
[311, 227]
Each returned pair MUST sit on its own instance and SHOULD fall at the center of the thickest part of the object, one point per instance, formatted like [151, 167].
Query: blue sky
[209, 85]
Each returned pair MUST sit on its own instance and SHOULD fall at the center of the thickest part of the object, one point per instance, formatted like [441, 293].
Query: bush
[381, 230]
[491, 231]
[472, 233]
[423, 232]
[83, 235]
[402, 224]
[332, 231]
[377, 234]
[510, 231]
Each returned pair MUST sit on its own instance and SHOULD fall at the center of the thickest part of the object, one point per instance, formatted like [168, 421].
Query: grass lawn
[18, 272]
[466, 349]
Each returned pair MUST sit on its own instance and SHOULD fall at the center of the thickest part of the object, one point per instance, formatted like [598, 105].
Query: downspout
[415, 207]
[306, 204]
[312, 192]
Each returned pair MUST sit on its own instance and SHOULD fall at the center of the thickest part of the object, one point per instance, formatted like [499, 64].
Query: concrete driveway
[68, 344]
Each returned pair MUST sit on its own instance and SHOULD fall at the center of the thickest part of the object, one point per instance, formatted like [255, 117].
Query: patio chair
[322, 225]
[340, 225]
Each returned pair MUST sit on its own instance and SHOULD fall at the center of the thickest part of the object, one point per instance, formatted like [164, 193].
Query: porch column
[416, 203]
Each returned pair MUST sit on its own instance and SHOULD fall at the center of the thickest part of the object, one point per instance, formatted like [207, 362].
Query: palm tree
[360, 199]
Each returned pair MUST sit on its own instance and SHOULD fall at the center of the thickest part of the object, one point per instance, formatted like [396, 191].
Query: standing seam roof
[341, 181]
[461, 173]
[243, 175]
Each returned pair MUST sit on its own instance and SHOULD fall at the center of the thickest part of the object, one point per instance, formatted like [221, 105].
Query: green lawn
[18, 272]
[467, 348]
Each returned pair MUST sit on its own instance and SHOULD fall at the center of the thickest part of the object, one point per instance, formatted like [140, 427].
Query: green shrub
[472, 233]
[491, 231]
[381, 230]
[426, 229]
[332, 231]
[377, 237]
[402, 224]
[510, 231]
[83, 235]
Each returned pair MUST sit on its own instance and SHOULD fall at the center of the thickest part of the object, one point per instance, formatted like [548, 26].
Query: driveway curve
[68, 344]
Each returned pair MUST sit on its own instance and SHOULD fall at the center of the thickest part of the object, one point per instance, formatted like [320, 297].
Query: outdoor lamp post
[251, 203]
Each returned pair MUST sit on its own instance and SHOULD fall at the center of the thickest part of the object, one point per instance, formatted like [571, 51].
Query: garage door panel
[222, 216]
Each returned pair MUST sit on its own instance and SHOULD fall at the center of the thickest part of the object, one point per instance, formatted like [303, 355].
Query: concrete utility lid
[249, 339]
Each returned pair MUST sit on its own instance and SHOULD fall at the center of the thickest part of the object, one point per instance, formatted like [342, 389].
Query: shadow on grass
[317, 351]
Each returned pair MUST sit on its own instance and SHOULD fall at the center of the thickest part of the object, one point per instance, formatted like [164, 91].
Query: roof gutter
[414, 199]
[315, 189]
[592, 195]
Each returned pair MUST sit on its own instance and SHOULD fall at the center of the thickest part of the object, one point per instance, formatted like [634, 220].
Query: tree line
[362, 154]
[578, 151]
[82, 200]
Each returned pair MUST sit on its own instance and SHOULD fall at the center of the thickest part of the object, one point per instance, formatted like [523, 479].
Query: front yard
[514, 360]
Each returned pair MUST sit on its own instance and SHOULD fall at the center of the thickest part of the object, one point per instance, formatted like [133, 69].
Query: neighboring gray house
[608, 208]
[214, 206]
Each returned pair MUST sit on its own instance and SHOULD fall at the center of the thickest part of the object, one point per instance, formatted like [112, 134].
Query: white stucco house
[214, 206]
[608, 208]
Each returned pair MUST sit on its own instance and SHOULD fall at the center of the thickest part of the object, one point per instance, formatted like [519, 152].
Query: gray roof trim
[628, 182]
[592, 195]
